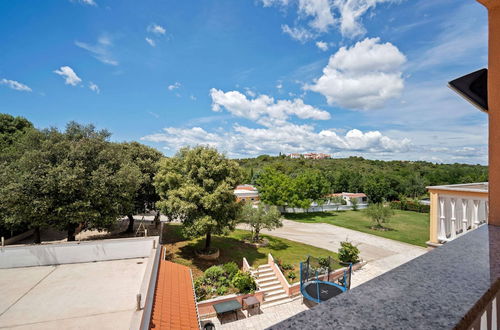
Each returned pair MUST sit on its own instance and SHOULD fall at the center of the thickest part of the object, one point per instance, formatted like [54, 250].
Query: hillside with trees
[282, 178]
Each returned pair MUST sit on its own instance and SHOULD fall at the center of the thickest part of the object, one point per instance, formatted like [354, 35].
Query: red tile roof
[174, 305]
[348, 194]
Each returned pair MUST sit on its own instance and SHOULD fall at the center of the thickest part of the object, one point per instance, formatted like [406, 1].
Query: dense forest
[356, 174]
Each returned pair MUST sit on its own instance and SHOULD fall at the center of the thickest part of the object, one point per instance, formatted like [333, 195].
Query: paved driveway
[381, 253]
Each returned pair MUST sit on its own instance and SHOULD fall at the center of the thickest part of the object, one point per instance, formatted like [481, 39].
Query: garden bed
[233, 248]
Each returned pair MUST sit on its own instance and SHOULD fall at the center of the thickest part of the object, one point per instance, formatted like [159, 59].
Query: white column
[464, 216]
[453, 228]
[442, 228]
[475, 214]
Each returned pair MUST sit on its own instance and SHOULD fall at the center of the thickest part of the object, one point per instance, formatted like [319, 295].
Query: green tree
[379, 214]
[196, 187]
[68, 180]
[376, 189]
[261, 217]
[11, 129]
[354, 204]
[147, 160]
[275, 188]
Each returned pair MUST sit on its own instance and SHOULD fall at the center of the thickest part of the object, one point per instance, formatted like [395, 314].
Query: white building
[361, 198]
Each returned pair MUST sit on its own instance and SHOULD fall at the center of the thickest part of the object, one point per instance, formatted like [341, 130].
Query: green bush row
[410, 206]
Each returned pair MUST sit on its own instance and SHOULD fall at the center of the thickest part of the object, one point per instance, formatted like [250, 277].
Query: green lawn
[233, 248]
[405, 226]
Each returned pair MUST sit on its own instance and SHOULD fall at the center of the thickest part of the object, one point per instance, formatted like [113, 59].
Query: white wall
[76, 252]
[321, 208]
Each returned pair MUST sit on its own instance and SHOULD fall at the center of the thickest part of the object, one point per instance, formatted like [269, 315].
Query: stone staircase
[274, 293]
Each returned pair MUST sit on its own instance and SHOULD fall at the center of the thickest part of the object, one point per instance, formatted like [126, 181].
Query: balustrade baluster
[453, 228]
[442, 228]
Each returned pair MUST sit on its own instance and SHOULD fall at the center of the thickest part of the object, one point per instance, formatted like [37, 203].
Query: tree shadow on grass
[276, 244]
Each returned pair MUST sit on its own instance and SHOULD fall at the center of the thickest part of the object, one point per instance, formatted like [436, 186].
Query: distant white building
[361, 198]
[246, 192]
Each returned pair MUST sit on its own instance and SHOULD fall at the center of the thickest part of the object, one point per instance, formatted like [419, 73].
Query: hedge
[410, 206]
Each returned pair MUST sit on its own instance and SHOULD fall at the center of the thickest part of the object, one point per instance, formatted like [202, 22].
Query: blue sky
[345, 77]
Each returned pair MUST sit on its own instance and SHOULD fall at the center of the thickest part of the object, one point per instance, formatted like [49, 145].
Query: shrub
[292, 276]
[286, 267]
[244, 282]
[348, 252]
[324, 262]
[223, 281]
[199, 289]
[213, 273]
[410, 206]
[230, 268]
[221, 290]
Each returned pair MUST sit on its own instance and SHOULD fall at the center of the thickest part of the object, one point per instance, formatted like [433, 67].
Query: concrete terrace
[75, 285]
[72, 296]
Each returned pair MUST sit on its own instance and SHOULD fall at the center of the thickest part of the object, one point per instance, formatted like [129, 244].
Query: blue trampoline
[315, 282]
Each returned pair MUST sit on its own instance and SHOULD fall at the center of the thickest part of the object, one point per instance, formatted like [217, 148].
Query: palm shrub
[348, 252]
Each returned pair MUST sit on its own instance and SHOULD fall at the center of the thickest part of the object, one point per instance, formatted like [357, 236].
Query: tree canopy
[196, 186]
[67, 180]
[260, 217]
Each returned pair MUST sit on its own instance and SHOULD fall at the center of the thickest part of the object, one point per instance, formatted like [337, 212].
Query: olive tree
[196, 187]
[261, 217]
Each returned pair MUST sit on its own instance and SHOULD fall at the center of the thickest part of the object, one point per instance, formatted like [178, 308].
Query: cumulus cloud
[245, 141]
[16, 85]
[174, 86]
[322, 45]
[151, 42]
[156, 29]
[363, 76]
[264, 109]
[93, 87]
[70, 77]
[322, 15]
[101, 50]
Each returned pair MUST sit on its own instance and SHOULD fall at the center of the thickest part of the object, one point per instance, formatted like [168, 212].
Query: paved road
[381, 253]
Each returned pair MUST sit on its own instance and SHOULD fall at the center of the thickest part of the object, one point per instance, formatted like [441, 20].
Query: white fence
[459, 214]
[324, 208]
[76, 252]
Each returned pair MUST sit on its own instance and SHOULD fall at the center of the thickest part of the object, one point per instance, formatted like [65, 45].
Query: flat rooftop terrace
[84, 295]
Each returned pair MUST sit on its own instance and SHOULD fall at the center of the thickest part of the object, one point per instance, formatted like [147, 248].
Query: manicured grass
[405, 226]
[232, 248]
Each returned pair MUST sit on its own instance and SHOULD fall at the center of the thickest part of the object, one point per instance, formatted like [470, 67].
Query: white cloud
[151, 42]
[364, 76]
[350, 13]
[320, 10]
[324, 14]
[156, 29]
[322, 45]
[192, 97]
[175, 85]
[101, 50]
[86, 2]
[245, 141]
[69, 75]
[264, 109]
[93, 87]
[298, 33]
[15, 85]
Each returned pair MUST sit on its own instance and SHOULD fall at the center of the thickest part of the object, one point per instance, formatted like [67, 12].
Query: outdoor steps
[274, 293]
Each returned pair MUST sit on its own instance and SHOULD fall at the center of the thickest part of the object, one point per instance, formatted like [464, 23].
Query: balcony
[454, 286]
[456, 210]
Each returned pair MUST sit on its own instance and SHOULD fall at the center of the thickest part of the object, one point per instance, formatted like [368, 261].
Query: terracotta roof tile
[174, 305]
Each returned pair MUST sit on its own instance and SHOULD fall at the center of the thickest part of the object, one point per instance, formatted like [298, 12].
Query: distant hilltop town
[311, 155]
